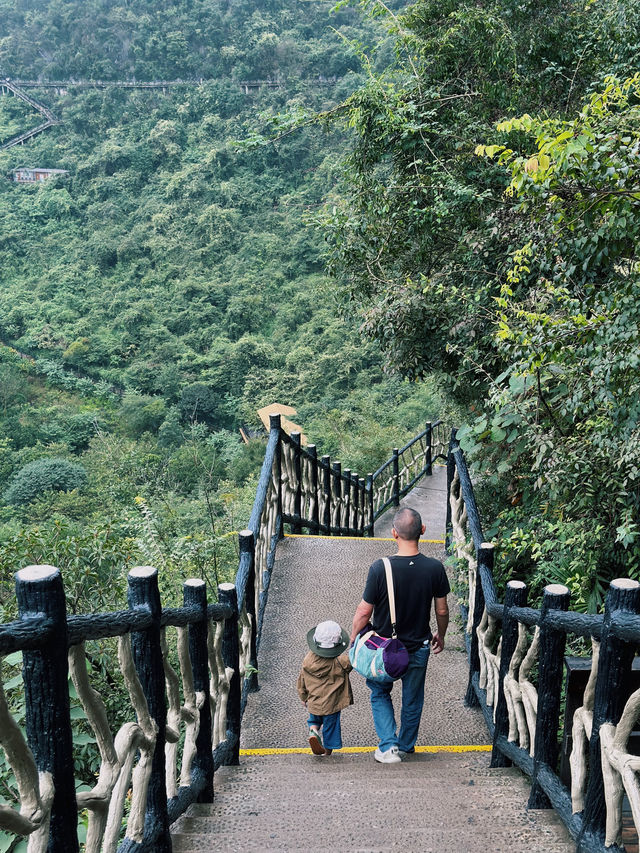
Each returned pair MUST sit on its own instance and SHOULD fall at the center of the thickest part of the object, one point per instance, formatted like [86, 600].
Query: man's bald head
[408, 524]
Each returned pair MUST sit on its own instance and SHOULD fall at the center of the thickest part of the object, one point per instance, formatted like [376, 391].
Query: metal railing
[198, 709]
[7, 85]
[396, 477]
[508, 640]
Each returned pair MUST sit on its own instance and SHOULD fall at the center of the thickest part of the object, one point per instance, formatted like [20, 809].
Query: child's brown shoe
[315, 741]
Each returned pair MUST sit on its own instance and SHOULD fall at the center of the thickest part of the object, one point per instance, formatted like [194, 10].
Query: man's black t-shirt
[416, 582]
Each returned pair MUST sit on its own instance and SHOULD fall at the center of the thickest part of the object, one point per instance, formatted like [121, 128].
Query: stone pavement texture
[317, 578]
[436, 801]
[430, 804]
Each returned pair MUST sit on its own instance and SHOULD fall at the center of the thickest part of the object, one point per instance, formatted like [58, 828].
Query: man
[417, 581]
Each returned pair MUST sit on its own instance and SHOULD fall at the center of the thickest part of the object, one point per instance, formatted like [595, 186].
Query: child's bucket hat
[328, 639]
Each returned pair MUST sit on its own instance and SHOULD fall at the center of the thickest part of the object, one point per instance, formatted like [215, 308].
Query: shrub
[45, 475]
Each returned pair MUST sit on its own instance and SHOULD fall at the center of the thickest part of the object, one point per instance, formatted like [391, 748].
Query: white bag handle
[391, 594]
[363, 639]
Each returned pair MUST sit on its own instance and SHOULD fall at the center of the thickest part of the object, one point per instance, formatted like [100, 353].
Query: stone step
[455, 804]
[412, 844]
[416, 842]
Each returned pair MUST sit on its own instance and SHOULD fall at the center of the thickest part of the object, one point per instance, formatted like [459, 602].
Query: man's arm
[360, 618]
[442, 619]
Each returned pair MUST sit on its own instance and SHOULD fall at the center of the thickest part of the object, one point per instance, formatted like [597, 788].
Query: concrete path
[429, 497]
[439, 800]
[316, 579]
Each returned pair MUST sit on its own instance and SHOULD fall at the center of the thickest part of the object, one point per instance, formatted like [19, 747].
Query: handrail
[407, 466]
[51, 119]
[524, 720]
[53, 648]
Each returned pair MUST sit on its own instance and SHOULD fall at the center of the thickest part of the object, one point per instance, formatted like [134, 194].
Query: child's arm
[303, 693]
[344, 662]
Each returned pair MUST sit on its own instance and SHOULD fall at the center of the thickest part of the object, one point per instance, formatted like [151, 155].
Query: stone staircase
[435, 803]
[437, 800]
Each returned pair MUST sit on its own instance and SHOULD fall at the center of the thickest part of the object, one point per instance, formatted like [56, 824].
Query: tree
[44, 475]
[561, 425]
[420, 232]
[201, 403]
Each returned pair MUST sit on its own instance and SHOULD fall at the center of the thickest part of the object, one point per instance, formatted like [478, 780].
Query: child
[323, 685]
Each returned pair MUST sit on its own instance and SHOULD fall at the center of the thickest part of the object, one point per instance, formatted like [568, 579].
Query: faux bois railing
[509, 642]
[195, 711]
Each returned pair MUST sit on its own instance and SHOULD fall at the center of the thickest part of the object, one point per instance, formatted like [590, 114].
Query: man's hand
[437, 644]
[442, 620]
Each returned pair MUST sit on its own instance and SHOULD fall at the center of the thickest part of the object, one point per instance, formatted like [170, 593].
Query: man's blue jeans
[412, 702]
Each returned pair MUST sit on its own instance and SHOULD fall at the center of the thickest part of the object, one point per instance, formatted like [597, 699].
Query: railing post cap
[226, 587]
[624, 583]
[194, 582]
[245, 532]
[556, 589]
[488, 545]
[142, 572]
[516, 584]
[37, 573]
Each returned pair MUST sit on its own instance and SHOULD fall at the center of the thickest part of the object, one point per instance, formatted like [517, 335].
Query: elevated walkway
[445, 798]
[7, 85]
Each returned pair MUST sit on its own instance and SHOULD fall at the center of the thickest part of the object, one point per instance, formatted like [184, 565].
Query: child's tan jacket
[323, 683]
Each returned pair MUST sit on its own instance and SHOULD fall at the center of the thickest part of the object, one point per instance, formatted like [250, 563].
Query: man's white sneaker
[389, 756]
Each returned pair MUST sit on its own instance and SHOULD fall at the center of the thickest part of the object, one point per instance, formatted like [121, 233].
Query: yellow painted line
[359, 538]
[304, 750]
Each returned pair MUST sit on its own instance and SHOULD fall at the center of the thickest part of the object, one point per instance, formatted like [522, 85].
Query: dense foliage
[168, 288]
[45, 475]
[513, 268]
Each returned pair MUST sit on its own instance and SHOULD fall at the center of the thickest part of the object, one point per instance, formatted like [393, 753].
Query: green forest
[171, 285]
[432, 211]
[377, 214]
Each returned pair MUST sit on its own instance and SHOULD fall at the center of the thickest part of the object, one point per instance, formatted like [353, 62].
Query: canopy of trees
[487, 225]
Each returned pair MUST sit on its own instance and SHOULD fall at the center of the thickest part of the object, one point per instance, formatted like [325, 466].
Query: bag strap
[391, 594]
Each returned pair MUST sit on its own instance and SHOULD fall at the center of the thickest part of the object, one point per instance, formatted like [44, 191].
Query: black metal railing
[319, 496]
[217, 649]
[525, 720]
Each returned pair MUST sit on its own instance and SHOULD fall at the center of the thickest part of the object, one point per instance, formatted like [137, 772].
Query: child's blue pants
[331, 733]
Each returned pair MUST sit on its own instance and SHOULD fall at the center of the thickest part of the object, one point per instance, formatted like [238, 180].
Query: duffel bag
[379, 658]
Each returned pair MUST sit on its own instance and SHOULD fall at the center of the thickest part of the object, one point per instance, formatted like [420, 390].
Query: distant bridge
[16, 87]
[64, 85]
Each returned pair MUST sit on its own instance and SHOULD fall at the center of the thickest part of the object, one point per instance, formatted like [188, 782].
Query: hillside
[171, 285]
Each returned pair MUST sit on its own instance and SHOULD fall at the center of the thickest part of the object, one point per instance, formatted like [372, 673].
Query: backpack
[380, 658]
